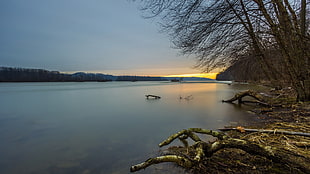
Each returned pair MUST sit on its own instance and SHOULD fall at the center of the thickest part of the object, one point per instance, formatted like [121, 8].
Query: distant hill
[82, 76]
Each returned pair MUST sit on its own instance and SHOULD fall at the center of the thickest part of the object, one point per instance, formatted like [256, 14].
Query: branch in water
[181, 161]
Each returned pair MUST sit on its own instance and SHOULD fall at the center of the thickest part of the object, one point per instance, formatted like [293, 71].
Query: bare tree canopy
[220, 32]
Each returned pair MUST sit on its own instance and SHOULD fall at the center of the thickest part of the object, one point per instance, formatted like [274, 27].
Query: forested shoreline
[10, 74]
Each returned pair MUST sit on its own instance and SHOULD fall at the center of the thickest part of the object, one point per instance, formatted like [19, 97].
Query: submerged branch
[152, 96]
[181, 161]
[260, 99]
[240, 95]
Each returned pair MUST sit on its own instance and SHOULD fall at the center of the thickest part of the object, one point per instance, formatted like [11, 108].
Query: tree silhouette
[220, 32]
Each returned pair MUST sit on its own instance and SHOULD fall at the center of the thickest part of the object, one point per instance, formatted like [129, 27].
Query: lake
[95, 127]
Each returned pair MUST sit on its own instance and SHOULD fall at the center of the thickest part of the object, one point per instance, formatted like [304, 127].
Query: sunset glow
[203, 75]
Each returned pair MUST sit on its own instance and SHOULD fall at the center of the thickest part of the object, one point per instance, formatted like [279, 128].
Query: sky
[104, 36]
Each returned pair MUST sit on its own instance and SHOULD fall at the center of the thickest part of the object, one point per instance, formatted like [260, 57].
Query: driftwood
[201, 151]
[152, 96]
[204, 149]
[267, 131]
[184, 162]
[181, 160]
[259, 98]
[240, 95]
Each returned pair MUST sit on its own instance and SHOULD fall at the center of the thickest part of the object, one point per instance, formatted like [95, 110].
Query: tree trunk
[303, 17]
[292, 45]
[303, 91]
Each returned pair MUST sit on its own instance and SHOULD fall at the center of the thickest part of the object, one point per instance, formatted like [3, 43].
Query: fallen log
[152, 96]
[257, 102]
[267, 131]
[240, 95]
[181, 161]
[260, 98]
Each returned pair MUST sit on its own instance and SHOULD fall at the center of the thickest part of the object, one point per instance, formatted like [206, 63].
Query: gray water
[84, 128]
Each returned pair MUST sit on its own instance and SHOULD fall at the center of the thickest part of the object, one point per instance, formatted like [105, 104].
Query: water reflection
[101, 127]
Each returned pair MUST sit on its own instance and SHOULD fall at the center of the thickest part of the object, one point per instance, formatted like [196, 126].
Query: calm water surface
[85, 128]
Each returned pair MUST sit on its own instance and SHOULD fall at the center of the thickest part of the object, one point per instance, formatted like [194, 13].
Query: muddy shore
[290, 116]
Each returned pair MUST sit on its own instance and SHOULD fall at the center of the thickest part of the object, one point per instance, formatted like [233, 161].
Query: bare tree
[294, 46]
[206, 29]
[220, 32]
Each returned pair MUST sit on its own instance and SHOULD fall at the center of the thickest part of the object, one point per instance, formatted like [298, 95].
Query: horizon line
[211, 75]
[197, 75]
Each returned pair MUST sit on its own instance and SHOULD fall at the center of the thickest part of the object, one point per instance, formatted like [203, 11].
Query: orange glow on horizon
[150, 73]
[203, 75]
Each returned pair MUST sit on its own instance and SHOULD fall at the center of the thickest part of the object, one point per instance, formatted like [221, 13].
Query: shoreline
[252, 155]
[291, 116]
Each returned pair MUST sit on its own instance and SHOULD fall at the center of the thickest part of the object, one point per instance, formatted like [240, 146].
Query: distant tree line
[81, 76]
[10, 74]
[139, 78]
